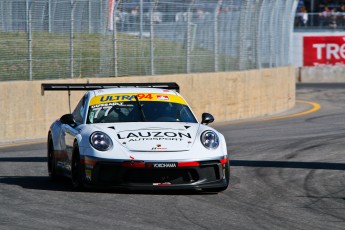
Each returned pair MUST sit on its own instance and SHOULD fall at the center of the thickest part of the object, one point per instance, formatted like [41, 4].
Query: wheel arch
[56, 133]
[50, 137]
[77, 143]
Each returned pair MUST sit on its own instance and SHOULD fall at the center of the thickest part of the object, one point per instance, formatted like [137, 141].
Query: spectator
[302, 17]
[324, 17]
[181, 17]
[135, 11]
[333, 18]
[133, 18]
[341, 16]
[199, 15]
[157, 17]
[223, 10]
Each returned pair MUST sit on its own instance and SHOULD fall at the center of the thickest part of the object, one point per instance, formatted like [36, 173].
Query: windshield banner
[109, 98]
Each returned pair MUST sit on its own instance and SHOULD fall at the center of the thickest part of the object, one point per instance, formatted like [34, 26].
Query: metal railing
[50, 39]
[319, 21]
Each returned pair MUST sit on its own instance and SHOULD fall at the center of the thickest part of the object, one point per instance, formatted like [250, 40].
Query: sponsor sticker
[154, 135]
[162, 165]
[163, 97]
[158, 147]
[323, 50]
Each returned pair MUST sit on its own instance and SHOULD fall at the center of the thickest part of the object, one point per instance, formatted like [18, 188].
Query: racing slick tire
[51, 162]
[77, 171]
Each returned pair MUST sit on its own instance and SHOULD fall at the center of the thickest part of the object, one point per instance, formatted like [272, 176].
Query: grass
[93, 56]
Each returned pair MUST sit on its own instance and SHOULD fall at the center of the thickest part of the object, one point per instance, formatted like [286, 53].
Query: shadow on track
[23, 159]
[289, 164]
[63, 185]
[36, 182]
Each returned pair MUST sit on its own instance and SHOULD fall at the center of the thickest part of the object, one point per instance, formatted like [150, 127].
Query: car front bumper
[141, 175]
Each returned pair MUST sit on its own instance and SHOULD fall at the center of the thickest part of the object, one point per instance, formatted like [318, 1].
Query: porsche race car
[136, 136]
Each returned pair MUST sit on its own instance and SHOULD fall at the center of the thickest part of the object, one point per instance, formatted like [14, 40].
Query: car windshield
[139, 111]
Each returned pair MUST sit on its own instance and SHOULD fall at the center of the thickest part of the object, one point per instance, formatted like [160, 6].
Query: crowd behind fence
[51, 39]
[317, 21]
[329, 16]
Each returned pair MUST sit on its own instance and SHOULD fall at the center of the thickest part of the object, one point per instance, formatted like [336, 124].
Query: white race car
[136, 136]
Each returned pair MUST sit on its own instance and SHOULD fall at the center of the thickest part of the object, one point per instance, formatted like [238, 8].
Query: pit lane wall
[26, 114]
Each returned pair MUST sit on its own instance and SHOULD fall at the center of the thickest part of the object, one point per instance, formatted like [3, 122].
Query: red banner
[323, 50]
[111, 4]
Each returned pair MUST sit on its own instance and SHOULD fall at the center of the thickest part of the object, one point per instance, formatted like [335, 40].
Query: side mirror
[67, 119]
[207, 118]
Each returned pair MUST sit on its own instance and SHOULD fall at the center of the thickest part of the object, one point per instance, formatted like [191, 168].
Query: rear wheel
[77, 170]
[51, 162]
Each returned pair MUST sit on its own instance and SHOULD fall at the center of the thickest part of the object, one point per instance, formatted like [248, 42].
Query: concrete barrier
[26, 115]
[324, 74]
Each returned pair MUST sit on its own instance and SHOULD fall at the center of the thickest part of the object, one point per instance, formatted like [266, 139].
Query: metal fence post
[152, 53]
[243, 59]
[29, 31]
[152, 62]
[274, 24]
[294, 4]
[50, 16]
[71, 39]
[100, 16]
[115, 6]
[188, 37]
[89, 16]
[141, 19]
[2, 24]
[271, 26]
[216, 44]
[283, 40]
[259, 33]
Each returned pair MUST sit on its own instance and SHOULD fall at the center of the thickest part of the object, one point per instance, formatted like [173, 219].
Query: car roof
[131, 90]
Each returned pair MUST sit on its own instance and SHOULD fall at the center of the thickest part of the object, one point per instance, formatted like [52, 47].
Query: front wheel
[77, 170]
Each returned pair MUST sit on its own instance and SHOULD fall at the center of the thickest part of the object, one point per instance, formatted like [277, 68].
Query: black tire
[77, 172]
[51, 160]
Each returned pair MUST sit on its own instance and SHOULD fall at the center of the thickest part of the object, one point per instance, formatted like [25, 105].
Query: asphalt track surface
[286, 173]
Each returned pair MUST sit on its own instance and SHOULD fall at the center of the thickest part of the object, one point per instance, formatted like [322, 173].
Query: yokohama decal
[162, 165]
[323, 50]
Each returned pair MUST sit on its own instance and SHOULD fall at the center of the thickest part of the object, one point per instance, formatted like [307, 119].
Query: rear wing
[93, 86]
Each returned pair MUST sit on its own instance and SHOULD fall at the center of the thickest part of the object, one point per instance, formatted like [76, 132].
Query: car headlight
[101, 141]
[209, 139]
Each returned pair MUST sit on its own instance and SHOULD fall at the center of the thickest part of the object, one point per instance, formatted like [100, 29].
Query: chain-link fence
[50, 39]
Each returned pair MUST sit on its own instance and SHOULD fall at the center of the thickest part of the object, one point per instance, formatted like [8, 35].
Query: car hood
[149, 136]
